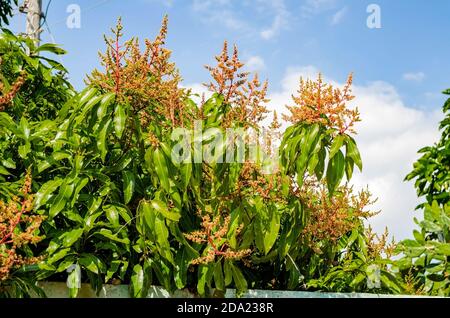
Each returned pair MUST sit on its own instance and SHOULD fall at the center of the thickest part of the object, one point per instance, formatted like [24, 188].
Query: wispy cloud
[230, 15]
[255, 63]
[414, 77]
[339, 16]
[219, 12]
[313, 7]
[280, 20]
[167, 3]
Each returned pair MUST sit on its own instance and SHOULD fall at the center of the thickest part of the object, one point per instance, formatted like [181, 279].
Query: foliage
[6, 10]
[425, 261]
[19, 227]
[32, 90]
[120, 208]
[431, 170]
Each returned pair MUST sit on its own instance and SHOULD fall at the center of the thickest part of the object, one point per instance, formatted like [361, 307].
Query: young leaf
[353, 152]
[120, 118]
[335, 171]
[161, 168]
[336, 145]
[218, 276]
[239, 279]
[129, 184]
[74, 281]
[161, 207]
[137, 282]
[69, 238]
[45, 192]
[101, 141]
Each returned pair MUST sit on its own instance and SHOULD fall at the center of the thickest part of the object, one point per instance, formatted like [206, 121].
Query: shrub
[425, 258]
[120, 207]
[19, 227]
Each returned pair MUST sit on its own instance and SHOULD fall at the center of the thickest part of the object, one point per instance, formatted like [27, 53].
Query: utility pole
[33, 9]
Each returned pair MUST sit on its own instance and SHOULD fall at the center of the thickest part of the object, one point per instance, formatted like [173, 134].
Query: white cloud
[228, 14]
[313, 7]
[255, 63]
[339, 16]
[280, 20]
[414, 77]
[202, 5]
[388, 137]
[219, 12]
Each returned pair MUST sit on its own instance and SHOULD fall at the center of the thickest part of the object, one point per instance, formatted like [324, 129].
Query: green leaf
[239, 279]
[182, 260]
[71, 237]
[443, 248]
[228, 272]
[125, 213]
[162, 238]
[74, 281]
[92, 263]
[87, 95]
[218, 277]
[57, 256]
[349, 165]
[353, 152]
[52, 48]
[120, 118]
[104, 104]
[7, 122]
[202, 275]
[112, 215]
[79, 186]
[161, 169]
[147, 215]
[186, 173]
[137, 282]
[45, 192]
[4, 172]
[114, 267]
[129, 184]
[109, 235]
[58, 205]
[335, 171]
[161, 207]
[101, 141]
[336, 145]
[52, 160]
[24, 150]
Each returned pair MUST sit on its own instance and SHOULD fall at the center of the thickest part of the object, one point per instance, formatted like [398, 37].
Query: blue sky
[410, 41]
[399, 69]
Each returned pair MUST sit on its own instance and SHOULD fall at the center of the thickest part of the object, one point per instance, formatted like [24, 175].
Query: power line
[44, 17]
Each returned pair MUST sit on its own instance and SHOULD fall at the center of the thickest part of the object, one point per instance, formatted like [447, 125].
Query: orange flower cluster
[319, 102]
[333, 217]
[213, 233]
[273, 135]
[379, 246]
[13, 216]
[247, 97]
[7, 97]
[251, 179]
[147, 80]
